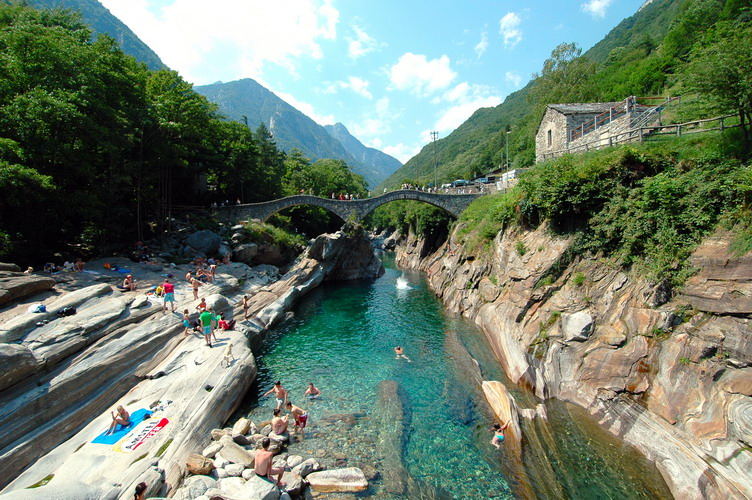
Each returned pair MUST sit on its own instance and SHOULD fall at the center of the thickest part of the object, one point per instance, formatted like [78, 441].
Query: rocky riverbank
[670, 376]
[63, 375]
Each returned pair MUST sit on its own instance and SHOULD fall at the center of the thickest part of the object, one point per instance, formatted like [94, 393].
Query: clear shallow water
[342, 337]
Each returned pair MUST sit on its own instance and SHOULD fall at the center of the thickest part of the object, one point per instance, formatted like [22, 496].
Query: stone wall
[553, 122]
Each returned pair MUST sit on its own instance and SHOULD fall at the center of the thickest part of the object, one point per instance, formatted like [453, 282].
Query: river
[342, 338]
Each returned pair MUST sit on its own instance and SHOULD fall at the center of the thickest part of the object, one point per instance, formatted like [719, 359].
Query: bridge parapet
[344, 209]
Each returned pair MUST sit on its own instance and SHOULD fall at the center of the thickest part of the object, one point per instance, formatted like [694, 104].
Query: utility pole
[434, 136]
[506, 166]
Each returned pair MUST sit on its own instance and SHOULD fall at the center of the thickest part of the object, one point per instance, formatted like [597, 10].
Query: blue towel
[123, 271]
[120, 431]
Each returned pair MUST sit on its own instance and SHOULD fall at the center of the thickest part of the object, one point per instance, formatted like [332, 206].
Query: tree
[720, 70]
[566, 77]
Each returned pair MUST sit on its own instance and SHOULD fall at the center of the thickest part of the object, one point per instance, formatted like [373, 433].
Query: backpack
[67, 311]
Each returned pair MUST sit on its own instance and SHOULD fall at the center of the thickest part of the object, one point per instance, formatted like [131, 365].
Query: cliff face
[670, 377]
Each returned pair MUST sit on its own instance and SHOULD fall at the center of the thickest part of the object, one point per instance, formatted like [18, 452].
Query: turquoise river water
[341, 338]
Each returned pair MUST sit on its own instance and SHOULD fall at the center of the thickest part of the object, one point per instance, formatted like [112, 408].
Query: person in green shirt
[206, 319]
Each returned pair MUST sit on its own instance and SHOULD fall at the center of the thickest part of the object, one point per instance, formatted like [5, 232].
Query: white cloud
[596, 8]
[414, 72]
[453, 117]
[376, 123]
[402, 152]
[513, 78]
[480, 49]
[464, 98]
[354, 83]
[509, 28]
[188, 34]
[306, 109]
[361, 44]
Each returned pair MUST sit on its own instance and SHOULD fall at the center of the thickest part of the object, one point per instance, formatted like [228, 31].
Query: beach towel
[123, 271]
[120, 431]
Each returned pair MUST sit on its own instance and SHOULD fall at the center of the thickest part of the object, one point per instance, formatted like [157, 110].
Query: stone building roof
[585, 108]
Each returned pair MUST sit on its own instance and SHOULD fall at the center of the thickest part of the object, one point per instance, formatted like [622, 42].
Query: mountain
[247, 100]
[102, 21]
[375, 164]
[630, 60]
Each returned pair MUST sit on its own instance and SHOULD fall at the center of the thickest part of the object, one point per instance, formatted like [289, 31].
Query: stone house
[574, 125]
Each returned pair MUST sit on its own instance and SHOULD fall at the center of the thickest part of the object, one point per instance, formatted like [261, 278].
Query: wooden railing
[628, 105]
[641, 134]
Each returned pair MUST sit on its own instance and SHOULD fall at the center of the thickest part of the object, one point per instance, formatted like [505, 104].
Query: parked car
[460, 183]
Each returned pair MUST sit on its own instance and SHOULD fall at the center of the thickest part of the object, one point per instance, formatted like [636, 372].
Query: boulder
[282, 438]
[247, 474]
[350, 479]
[306, 467]
[503, 405]
[220, 473]
[196, 486]
[259, 489]
[211, 450]
[198, 464]
[232, 486]
[5, 266]
[219, 304]
[576, 326]
[234, 453]
[219, 460]
[245, 253]
[294, 460]
[205, 242]
[14, 286]
[294, 484]
[234, 470]
[18, 362]
[217, 433]
[241, 439]
[242, 426]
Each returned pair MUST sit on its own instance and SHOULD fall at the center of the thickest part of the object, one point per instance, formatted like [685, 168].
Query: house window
[549, 138]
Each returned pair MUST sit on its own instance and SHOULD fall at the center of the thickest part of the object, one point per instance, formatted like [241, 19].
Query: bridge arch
[344, 209]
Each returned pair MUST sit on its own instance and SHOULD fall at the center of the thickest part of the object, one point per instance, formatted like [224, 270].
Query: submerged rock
[350, 479]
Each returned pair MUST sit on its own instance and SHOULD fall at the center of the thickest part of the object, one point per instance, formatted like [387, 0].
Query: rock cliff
[670, 376]
[63, 375]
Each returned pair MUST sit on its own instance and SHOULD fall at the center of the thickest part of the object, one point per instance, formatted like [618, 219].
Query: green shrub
[578, 279]
[520, 248]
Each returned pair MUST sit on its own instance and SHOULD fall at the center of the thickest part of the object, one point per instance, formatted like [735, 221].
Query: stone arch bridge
[345, 209]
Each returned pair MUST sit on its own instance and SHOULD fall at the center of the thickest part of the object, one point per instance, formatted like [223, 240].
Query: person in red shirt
[169, 294]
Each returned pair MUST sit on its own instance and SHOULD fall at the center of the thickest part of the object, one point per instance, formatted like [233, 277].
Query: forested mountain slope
[102, 21]
[247, 100]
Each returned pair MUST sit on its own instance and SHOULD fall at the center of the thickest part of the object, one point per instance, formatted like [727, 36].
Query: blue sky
[391, 71]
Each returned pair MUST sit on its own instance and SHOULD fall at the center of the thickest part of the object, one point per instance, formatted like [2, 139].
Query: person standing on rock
[246, 305]
[186, 322]
[195, 284]
[206, 319]
[169, 295]
[279, 423]
[263, 464]
[280, 393]
[300, 416]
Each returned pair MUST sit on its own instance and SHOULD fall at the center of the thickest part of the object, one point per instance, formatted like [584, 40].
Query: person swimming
[312, 391]
[400, 353]
[498, 437]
